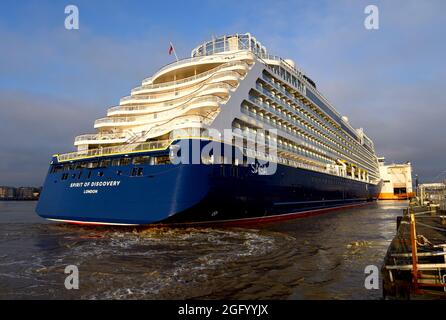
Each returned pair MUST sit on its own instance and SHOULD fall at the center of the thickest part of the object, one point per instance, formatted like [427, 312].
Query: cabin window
[56, 168]
[93, 164]
[104, 163]
[162, 160]
[115, 162]
[65, 176]
[124, 161]
[100, 173]
[141, 160]
[137, 172]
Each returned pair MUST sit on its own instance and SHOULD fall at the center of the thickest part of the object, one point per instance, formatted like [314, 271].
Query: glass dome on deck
[230, 43]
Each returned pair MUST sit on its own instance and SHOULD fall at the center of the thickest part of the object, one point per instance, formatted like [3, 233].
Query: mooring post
[413, 238]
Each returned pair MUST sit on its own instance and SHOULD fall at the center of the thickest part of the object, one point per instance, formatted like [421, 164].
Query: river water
[320, 257]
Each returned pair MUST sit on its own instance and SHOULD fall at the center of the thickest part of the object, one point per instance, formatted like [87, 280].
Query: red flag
[170, 49]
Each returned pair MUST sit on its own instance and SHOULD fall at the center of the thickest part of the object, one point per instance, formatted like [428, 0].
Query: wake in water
[320, 258]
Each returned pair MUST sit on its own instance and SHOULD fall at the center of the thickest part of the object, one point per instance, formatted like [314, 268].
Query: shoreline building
[26, 193]
[7, 193]
[19, 194]
[397, 180]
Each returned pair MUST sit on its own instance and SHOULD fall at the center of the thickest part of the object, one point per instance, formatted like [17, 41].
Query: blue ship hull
[190, 193]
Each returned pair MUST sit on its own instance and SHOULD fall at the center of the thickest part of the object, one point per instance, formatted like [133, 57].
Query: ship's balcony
[101, 138]
[188, 67]
[219, 89]
[118, 121]
[155, 98]
[146, 146]
[157, 106]
[182, 122]
[154, 107]
[238, 66]
[206, 102]
[212, 101]
[228, 76]
[179, 122]
[277, 118]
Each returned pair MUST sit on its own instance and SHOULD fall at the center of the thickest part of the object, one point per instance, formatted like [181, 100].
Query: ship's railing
[170, 103]
[195, 100]
[176, 63]
[269, 57]
[185, 92]
[189, 60]
[177, 101]
[146, 146]
[196, 120]
[192, 78]
[160, 115]
[116, 120]
[101, 136]
[140, 146]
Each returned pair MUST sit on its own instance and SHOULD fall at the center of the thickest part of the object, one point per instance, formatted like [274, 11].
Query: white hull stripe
[96, 223]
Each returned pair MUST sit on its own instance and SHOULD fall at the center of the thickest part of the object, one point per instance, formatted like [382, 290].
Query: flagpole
[174, 51]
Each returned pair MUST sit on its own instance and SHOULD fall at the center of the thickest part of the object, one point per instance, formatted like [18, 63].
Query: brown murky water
[321, 257]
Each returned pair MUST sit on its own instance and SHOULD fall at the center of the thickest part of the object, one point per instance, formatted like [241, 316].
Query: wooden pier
[415, 263]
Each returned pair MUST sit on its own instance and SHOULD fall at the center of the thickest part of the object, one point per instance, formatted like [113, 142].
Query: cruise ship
[232, 134]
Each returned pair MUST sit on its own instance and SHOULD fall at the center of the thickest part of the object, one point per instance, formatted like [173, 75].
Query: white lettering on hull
[113, 183]
[89, 184]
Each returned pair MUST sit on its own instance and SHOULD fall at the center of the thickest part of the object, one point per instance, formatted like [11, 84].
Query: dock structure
[433, 194]
[415, 264]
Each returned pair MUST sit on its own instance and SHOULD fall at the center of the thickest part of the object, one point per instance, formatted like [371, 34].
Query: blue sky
[54, 83]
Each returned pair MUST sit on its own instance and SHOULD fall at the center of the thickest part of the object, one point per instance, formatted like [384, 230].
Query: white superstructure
[232, 82]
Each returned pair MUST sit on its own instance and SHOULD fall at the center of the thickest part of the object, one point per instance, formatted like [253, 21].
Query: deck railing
[192, 78]
[145, 146]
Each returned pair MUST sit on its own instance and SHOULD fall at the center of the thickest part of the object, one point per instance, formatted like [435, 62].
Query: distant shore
[19, 199]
